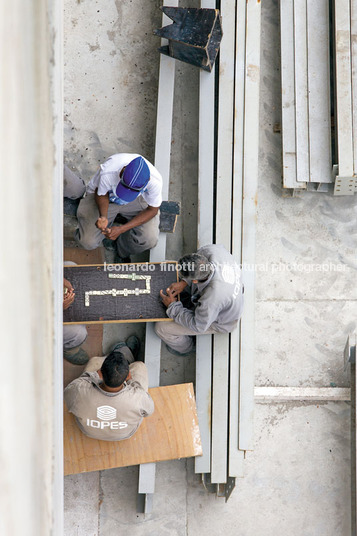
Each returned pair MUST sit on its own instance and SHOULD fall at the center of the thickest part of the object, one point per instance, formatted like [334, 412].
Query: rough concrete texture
[297, 478]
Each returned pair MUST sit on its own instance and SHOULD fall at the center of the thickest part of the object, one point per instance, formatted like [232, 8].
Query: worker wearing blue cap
[125, 184]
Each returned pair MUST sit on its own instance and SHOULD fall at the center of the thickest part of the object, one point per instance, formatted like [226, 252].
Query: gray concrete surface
[297, 478]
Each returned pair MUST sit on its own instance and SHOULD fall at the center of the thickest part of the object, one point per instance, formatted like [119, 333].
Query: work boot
[119, 260]
[125, 350]
[109, 244]
[133, 343]
[76, 356]
[117, 346]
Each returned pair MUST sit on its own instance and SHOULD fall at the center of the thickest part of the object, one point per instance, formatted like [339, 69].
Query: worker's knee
[151, 240]
[159, 329]
[88, 241]
[74, 336]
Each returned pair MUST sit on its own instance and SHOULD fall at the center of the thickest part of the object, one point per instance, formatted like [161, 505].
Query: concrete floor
[297, 479]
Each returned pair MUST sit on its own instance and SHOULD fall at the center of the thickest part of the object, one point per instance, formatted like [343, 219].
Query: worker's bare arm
[102, 202]
[141, 218]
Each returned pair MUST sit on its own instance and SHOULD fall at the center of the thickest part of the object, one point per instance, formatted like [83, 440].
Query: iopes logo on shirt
[106, 414]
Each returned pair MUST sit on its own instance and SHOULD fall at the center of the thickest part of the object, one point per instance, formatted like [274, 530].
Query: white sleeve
[93, 183]
[153, 195]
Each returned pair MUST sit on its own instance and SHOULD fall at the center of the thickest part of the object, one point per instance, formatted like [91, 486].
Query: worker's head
[194, 268]
[133, 180]
[115, 369]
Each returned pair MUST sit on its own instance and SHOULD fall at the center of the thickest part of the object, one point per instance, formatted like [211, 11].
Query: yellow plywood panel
[171, 432]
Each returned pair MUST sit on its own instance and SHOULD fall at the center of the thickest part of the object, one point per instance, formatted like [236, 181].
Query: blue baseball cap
[134, 179]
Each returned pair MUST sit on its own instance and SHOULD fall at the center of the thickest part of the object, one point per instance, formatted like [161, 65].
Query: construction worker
[126, 184]
[211, 295]
[73, 335]
[110, 399]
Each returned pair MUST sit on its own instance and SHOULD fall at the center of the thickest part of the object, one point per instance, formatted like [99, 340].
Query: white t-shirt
[107, 178]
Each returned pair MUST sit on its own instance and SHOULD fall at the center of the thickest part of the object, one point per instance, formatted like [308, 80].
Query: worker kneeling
[110, 399]
[211, 299]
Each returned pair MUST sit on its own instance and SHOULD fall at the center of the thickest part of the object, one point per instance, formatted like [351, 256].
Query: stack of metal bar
[228, 176]
[319, 88]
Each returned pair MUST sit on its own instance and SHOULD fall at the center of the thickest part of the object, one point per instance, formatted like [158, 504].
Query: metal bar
[319, 91]
[288, 95]
[354, 80]
[220, 408]
[205, 236]
[203, 391]
[301, 91]
[235, 456]
[225, 127]
[250, 192]
[343, 88]
[277, 394]
[219, 458]
[162, 162]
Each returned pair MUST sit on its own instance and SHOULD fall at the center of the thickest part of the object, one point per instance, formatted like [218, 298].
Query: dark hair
[194, 266]
[115, 369]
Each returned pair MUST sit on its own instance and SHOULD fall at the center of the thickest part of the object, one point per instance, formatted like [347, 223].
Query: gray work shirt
[103, 415]
[218, 301]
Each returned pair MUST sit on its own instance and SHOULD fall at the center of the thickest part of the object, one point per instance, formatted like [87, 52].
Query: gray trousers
[137, 369]
[178, 337]
[73, 336]
[73, 186]
[135, 240]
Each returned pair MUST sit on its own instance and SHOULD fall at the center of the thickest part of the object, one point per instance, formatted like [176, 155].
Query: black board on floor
[118, 292]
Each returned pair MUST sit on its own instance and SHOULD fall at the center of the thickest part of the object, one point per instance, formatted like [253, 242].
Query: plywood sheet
[171, 432]
[84, 256]
[141, 282]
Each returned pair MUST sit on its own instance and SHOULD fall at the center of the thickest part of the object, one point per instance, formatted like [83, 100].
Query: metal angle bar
[354, 80]
[158, 253]
[205, 236]
[353, 448]
[206, 151]
[344, 88]
[225, 127]
[203, 393]
[276, 394]
[220, 408]
[319, 90]
[235, 456]
[301, 91]
[288, 95]
[250, 192]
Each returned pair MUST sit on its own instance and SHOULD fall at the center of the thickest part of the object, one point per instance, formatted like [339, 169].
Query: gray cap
[194, 266]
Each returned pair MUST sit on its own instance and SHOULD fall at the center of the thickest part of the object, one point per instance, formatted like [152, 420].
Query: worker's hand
[102, 223]
[68, 294]
[113, 232]
[177, 288]
[168, 298]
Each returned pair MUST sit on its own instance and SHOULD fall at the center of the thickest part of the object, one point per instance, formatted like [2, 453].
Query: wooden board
[171, 432]
[145, 306]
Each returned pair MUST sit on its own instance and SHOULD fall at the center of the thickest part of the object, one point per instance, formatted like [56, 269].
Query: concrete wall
[31, 262]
